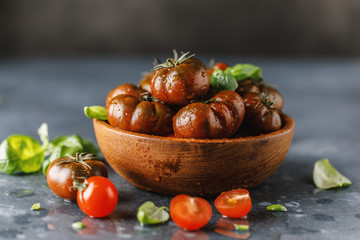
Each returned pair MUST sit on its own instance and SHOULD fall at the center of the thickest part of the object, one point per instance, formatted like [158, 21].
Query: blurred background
[295, 28]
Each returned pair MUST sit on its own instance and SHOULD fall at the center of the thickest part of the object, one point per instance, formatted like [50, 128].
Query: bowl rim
[288, 126]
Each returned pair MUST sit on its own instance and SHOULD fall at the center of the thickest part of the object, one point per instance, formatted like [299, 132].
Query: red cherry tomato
[99, 198]
[219, 65]
[234, 204]
[190, 213]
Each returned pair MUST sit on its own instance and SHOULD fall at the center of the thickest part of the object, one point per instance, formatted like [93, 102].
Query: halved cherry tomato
[99, 198]
[190, 213]
[234, 204]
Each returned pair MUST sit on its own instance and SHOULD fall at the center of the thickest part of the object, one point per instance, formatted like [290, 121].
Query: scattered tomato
[234, 204]
[99, 198]
[62, 170]
[190, 213]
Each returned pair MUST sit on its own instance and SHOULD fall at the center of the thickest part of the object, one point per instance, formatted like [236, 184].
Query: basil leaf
[244, 71]
[241, 227]
[223, 80]
[95, 112]
[36, 206]
[277, 207]
[44, 136]
[325, 176]
[148, 213]
[63, 145]
[78, 225]
[20, 153]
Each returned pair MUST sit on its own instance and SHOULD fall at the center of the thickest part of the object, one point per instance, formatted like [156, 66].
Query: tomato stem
[172, 62]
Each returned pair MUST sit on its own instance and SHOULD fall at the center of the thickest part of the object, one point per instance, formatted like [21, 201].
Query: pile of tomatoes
[177, 99]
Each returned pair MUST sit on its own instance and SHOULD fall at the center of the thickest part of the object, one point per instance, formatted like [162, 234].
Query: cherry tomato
[62, 170]
[234, 204]
[99, 198]
[190, 213]
[261, 116]
[219, 65]
[249, 85]
[220, 117]
[179, 81]
[143, 116]
[127, 88]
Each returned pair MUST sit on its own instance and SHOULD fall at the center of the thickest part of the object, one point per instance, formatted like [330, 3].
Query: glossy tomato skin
[127, 88]
[180, 84]
[150, 117]
[234, 204]
[260, 116]
[190, 213]
[220, 117]
[99, 198]
[248, 85]
[219, 65]
[145, 82]
[61, 171]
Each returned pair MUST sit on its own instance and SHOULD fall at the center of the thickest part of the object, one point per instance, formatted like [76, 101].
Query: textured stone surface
[321, 95]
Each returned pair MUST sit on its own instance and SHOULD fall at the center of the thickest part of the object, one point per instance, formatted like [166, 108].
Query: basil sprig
[223, 80]
[148, 213]
[21, 153]
[325, 176]
[244, 71]
[95, 112]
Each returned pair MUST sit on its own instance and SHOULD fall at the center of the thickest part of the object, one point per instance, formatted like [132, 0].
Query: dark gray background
[112, 27]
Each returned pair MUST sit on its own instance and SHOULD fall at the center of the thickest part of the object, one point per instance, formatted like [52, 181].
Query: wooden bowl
[171, 166]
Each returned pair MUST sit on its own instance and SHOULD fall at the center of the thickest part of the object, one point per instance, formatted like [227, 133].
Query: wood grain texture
[199, 167]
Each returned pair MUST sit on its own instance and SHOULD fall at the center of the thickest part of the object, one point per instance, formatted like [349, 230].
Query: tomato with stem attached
[190, 213]
[234, 204]
[97, 196]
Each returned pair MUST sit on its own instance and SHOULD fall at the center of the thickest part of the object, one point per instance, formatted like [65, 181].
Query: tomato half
[234, 204]
[190, 213]
[99, 198]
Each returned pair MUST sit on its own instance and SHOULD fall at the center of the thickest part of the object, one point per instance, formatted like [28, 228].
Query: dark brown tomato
[180, 84]
[129, 113]
[126, 88]
[61, 171]
[248, 85]
[219, 65]
[145, 82]
[261, 116]
[220, 117]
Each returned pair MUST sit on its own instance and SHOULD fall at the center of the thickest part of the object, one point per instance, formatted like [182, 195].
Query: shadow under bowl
[198, 167]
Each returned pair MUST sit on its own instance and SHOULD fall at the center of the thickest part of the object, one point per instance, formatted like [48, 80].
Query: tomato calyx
[78, 185]
[79, 158]
[172, 62]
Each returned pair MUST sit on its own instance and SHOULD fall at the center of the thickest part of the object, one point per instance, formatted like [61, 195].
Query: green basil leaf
[20, 153]
[63, 145]
[78, 225]
[325, 176]
[44, 136]
[148, 213]
[95, 112]
[36, 206]
[223, 80]
[277, 207]
[244, 71]
[241, 227]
